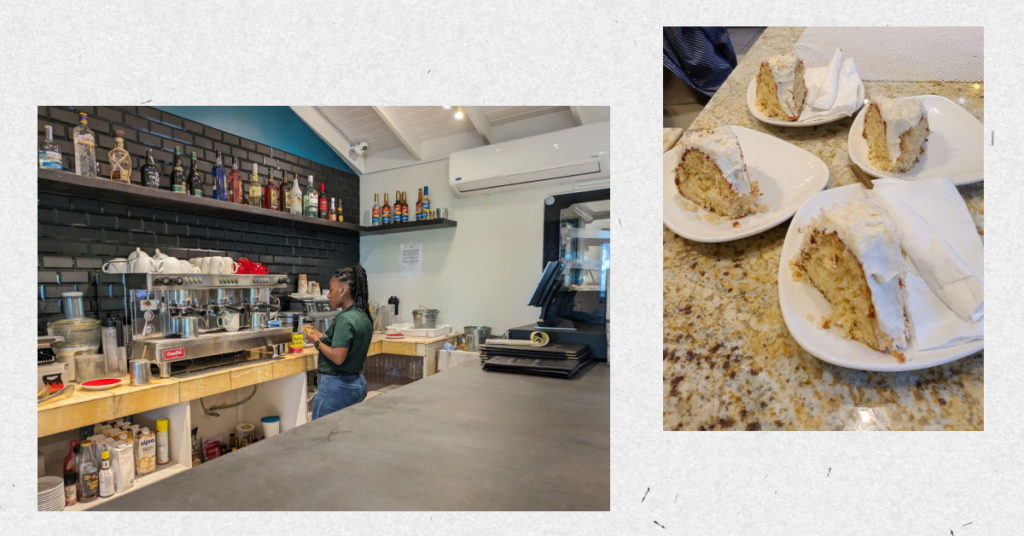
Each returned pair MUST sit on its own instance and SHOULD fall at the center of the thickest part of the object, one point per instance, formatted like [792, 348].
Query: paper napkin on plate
[945, 284]
[669, 137]
[834, 90]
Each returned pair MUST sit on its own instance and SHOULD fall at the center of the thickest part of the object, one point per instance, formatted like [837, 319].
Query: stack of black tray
[557, 360]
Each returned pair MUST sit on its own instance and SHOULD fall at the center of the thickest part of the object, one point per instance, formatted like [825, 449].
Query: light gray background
[529, 52]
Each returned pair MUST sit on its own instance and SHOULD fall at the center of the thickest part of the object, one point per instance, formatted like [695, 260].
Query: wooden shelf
[408, 226]
[64, 182]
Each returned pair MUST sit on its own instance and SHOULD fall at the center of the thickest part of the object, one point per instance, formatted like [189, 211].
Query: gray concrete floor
[681, 103]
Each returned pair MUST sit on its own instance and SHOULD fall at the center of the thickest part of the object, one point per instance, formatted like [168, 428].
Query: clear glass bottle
[88, 473]
[297, 197]
[314, 202]
[220, 184]
[178, 183]
[120, 161]
[235, 183]
[85, 147]
[49, 152]
[195, 178]
[150, 173]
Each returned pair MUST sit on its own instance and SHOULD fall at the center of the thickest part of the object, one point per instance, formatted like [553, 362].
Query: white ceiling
[400, 136]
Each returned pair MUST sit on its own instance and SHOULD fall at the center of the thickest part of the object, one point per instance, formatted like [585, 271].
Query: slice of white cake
[712, 173]
[851, 254]
[780, 87]
[896, 131]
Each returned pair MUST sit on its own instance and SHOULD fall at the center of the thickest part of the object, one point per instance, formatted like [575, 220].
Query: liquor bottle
[235, 183]
[220, 184]
[426, 202]
[150, 173]
[331, 214]
[85, 147]
[178, 173]
[282, 194]
[419, 205]
[314, 202]
[341, 213]
[195, 178]
[296, 196]
[88, 473]
[385, 212]
[322, 213]
[120, 162]
[396, 209]
[270, 192]
[255, 188]
[71, 473]
[375, 214]
[405, 207]
[49, 152]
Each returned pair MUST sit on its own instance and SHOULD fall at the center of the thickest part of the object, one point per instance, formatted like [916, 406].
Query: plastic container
[90, 367]
[109, 339]
[271, 425]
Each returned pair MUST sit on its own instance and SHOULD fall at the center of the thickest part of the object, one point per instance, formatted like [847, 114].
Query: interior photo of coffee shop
[415, 297]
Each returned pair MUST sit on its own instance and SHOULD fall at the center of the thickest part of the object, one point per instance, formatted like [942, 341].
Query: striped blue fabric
[702, 57]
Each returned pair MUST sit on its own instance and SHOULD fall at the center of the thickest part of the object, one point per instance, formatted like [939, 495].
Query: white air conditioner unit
[570, 155]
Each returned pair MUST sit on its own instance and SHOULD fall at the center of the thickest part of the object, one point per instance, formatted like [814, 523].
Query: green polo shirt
[350, 329]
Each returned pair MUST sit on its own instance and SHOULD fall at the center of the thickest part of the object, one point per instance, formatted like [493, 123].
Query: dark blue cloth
[701, 57]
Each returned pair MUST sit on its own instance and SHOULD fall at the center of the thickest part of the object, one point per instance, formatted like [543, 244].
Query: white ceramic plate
[799, 301]
[955, 146]
[787, 175]
[757, 113]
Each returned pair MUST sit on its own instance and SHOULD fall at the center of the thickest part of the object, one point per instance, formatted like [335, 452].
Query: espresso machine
[178, 319]
[313, 310]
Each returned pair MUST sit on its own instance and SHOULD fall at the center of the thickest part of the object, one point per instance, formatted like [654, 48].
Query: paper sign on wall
[412, 259]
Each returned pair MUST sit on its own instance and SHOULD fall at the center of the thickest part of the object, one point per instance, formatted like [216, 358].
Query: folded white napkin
[834, 90]
[945, 285]
[669, 137]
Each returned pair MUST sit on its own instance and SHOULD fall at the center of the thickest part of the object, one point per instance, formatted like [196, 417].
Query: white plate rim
[798, 325]
[752, 106]
[668, 206]
[856, 147]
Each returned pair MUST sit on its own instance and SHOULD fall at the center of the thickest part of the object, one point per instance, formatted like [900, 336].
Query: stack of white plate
[51, 493]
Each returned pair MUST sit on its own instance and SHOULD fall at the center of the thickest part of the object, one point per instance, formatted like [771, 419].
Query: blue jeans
[337, 392]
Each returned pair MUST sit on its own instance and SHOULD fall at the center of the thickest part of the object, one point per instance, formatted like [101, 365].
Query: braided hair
[355, 276]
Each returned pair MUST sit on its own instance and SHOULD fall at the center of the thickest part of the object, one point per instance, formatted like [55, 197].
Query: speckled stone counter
[729, 361]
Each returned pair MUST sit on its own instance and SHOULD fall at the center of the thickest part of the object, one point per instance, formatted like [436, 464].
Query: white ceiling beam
[404, 134]
[575, 111]
[478, 119]
[331, 134]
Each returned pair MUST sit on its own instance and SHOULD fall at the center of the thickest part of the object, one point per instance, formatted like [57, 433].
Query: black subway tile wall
[76, 235]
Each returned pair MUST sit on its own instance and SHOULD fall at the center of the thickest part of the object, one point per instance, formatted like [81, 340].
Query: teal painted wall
[276, 126]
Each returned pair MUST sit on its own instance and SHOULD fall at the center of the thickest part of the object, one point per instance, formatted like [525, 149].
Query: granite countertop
[730, 363]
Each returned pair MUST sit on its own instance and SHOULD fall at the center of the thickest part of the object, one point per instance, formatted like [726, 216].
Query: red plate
[102, 383]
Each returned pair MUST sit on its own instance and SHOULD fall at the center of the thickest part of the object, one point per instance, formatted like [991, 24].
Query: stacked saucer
[51, 493]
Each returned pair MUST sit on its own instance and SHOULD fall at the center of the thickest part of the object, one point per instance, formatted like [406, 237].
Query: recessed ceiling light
[459, 114]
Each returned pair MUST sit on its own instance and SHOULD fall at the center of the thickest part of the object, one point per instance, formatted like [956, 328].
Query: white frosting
[723, 147]
[783, 68]
[899, 115]
[868, 230]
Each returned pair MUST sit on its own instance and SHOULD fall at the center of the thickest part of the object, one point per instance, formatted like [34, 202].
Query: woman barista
[343, 348]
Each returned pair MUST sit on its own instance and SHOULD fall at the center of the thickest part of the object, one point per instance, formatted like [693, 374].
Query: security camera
[360, 148]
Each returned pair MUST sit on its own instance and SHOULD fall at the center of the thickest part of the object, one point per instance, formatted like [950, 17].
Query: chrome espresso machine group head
[178, 317]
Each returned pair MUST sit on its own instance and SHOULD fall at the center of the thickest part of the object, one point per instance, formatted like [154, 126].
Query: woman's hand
[313, 335]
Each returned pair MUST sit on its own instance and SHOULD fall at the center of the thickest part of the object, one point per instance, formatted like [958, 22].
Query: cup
[229, 321]
[227, 265]
[203, 263]
[245, 266]
[139, 371]
[158, 255]
[116, 266]
[140, 262]
[169, 265]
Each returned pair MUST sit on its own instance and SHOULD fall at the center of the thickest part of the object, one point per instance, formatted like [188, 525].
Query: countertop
[465, 439]
[730, 363]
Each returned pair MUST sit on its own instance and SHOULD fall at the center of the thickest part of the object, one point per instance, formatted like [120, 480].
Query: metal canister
[139, 371]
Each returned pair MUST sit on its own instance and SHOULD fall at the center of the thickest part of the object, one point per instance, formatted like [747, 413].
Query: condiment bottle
[162, 451]
[106, 475]
[88, 474]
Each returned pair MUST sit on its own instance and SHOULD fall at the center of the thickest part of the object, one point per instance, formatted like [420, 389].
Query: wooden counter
[84, 407]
